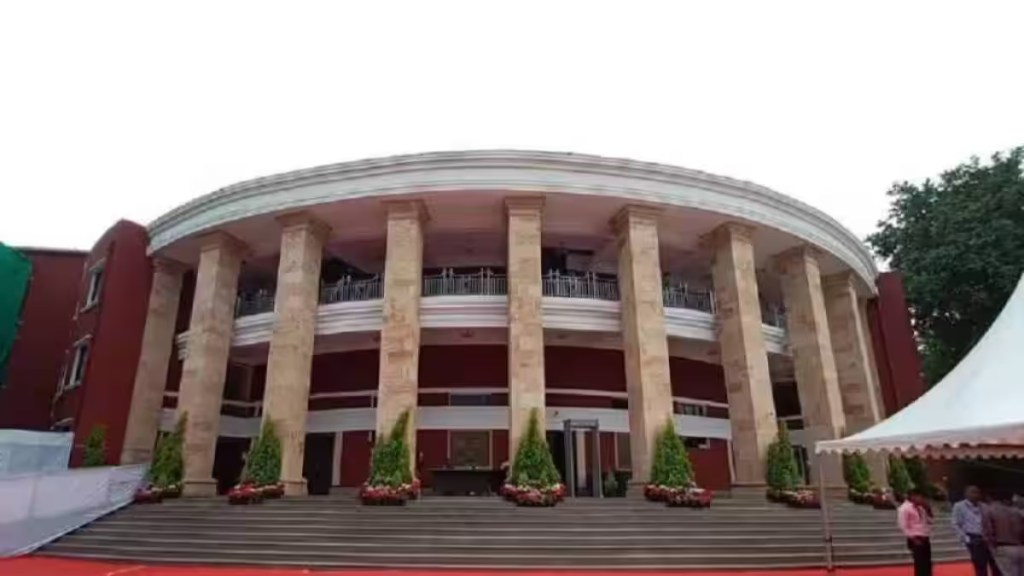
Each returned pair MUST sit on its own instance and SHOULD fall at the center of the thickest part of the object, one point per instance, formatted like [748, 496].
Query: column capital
[222, 241]
[168, 266]
[631, 212]
[838, 280]
[804, 252]
[297, 220]
[407, 210]
[732, 229]
[524, 205]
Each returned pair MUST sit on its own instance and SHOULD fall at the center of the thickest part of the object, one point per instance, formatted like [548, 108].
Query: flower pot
[172, 491]
[272, 491]
[147, 496]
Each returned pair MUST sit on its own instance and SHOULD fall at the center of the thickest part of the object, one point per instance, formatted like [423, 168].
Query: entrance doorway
[317, 463]
[582, 447]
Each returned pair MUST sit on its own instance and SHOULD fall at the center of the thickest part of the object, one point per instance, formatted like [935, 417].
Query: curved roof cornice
[515, 170]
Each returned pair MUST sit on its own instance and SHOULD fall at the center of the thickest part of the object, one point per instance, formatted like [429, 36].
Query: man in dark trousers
[1003, 527]
[914, 518]
[966, 518]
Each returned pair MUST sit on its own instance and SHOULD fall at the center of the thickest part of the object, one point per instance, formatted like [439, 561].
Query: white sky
[126, 109]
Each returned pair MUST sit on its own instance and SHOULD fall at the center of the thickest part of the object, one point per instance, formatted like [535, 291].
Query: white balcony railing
[682, 296]
[588, 286]
[774, 315]
[349, 290]
[482, 283]
[254, 303]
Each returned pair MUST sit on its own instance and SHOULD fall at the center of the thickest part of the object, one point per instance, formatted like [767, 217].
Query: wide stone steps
[322, 532]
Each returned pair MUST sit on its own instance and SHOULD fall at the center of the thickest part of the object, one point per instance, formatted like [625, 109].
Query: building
[43, 312]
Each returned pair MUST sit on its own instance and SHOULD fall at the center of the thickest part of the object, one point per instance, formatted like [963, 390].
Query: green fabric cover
[15, 269]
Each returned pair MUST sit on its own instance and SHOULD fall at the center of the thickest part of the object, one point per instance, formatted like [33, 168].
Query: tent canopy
[976, 411]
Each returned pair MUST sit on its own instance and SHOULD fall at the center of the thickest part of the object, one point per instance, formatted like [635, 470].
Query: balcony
[590, 285]
[252, 303]
[682, 296]
[774, 315]
[349, 290]
[448, 283]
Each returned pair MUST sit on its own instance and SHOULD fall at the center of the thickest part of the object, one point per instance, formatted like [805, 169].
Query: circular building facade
[473, 289]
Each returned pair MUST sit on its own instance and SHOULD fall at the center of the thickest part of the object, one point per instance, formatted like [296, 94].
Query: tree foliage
[959, 242]
[168, 464]
[899, 479]
[391, 464]
[96, 447]
[263, 464]
[533, 465]
[671, 466]
[781, 472]
[917, 471]
[856, 473]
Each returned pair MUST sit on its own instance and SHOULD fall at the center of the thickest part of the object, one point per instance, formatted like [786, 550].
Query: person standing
[967, 523]
[914, 519]
[1003, 528]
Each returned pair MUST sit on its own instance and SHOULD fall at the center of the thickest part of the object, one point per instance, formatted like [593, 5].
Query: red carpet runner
[37, 566]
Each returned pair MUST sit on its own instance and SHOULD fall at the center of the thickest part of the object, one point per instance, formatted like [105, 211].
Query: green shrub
[391, 463]
[918, 473]
[168, 465]
[263, 464]
[856, 473]
[899, 479]
[781, 472]
[610, 486]
[533, 465]
[96, 447]
[671, 466]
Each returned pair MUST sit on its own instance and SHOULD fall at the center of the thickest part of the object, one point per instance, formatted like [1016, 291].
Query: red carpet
[36, 566]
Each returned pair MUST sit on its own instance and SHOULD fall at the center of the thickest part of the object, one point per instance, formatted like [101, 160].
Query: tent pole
[830, 567]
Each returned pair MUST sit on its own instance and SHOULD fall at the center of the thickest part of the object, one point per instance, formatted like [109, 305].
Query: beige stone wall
[400, 335]
[744, 356]
[151, 374]
[525, 318]
[209, 344]
[851, 347]
[813, 361]
[291, 344]
[644, 340]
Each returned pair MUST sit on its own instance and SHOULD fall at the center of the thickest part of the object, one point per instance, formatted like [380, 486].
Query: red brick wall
[35, 364]
[115, 325]
[895, 347]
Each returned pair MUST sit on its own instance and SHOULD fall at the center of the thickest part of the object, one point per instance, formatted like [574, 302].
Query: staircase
[447, 532]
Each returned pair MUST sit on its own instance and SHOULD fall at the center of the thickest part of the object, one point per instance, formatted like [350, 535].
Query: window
[65, 425]
[78, 364]
[95, 286]
[623, 461]
[695, 443]
[687, 409]
[469, 399]
[469, 448]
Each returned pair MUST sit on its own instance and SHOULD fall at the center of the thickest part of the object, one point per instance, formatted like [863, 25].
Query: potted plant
[263, 463]
[899, 478]
[149, 494]
[781, 473]
[391, 482]
[168, 465]
[858, 479]
[802, 498]
[610, 485]
[533, 478]
[96, 447]
[245, 493]
[883, 499]
[672, 479]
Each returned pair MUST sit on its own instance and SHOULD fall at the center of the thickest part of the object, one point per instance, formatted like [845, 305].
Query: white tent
[976, 411]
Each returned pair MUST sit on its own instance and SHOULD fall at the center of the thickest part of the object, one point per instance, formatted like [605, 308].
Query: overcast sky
[126, 109]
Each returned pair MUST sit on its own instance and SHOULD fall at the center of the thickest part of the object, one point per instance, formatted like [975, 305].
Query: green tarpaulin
[15, 269]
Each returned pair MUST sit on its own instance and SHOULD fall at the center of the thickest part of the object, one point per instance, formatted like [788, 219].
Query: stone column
[291, 343]
[744, 356]
[151, 373]
[205, 368]
[813, 362]
[851, 348]
[644, 341]
[400, 335]
[525, 319]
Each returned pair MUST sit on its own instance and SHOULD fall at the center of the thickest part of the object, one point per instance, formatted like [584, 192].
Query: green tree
[899, 479]
[959, 242]
[781, 472]
[168, 464]
[533, 465]
[263, 464]
[856, 473]
[96, 447]
[917, 470]
[391, 464]
[671, 466]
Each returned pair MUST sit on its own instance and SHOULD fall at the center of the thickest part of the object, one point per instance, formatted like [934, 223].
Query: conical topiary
[168, 465]
[96, 447]
[263, 464]
[918, 472]
[856, 473]
[899, 479]
[671, 467]
[391, 464]
[533, 466]
[781, 472]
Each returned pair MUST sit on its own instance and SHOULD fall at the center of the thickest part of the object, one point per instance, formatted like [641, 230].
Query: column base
[295, 487]
[199, 488]
[635, 489]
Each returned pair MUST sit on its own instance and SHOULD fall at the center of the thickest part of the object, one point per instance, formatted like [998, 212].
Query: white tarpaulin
[976, 411]
[24, 451]
[38, 508]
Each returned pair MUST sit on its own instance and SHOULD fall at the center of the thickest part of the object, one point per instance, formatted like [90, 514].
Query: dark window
[470, 448]
[469, 399]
